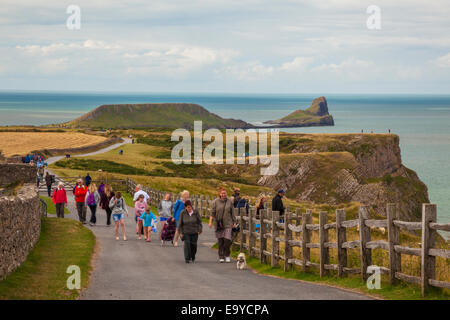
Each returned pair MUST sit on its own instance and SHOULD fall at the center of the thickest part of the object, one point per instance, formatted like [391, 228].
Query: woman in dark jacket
[105, 198]
[189, 228]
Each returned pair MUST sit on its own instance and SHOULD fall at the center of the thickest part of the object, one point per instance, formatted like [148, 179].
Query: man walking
[277, 203]
[48, 182]
[80, 197]
[59, 200]
[236, 197]
[87, 180]
[138, 192]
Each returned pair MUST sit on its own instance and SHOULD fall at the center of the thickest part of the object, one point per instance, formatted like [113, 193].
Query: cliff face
[342, 168]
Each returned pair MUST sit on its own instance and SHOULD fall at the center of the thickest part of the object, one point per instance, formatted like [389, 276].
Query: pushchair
[168, 232]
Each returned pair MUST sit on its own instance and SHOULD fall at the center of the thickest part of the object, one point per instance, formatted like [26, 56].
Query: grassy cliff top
[169, 115]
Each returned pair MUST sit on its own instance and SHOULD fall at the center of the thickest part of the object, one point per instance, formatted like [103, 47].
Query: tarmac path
[135, 269]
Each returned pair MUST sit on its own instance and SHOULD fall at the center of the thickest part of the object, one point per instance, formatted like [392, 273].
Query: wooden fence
[296, 223]
[295, 229]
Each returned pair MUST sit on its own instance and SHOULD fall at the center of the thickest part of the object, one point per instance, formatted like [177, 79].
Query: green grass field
[63, 242]
[353, 282]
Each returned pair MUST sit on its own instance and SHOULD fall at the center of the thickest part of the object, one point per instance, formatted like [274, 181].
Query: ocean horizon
[422, 121]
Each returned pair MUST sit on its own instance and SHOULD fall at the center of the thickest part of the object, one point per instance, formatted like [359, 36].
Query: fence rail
[295, 230]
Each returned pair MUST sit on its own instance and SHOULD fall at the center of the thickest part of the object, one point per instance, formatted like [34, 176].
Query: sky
[255, 46]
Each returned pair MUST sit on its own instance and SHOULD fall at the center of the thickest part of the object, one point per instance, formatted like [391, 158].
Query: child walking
[139, 207]
[148, 218]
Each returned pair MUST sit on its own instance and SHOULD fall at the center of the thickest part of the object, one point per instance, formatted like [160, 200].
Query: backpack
[91, 200]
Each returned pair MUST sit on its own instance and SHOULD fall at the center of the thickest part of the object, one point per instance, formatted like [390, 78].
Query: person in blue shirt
[177, 208]
[149, 219]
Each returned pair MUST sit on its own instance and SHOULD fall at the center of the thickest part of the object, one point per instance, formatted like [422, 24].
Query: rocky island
[316, 115]
[153, 115]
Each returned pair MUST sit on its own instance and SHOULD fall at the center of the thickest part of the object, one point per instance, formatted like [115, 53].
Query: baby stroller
[168, 232]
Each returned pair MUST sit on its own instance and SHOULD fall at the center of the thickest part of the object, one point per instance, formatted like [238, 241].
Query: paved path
[135, 269]
[111, 147]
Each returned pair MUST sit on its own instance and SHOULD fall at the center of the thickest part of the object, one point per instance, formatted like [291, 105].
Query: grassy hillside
[172, 115]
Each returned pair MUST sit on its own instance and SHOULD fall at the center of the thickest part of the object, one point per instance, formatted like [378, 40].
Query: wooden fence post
[275, 235]
[306, 238]
[428, 263]
[243, 223]
[323, 237]
[395, 258]
[287, 237]
[262, 232]
[341, 237]
[251, 228]
[364, 237]
[234, 246]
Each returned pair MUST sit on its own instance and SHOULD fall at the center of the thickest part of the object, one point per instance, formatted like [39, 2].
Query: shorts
[118, 216]
[136, 218]
[176, 223]
[163, 219]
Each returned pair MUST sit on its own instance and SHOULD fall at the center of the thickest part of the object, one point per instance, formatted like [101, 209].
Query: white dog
[241, 263]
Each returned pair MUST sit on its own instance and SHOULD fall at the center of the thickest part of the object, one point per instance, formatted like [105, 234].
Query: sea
[421, 121]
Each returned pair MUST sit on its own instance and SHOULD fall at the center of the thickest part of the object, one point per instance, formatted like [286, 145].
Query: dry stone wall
[20, 227]
[13, 172]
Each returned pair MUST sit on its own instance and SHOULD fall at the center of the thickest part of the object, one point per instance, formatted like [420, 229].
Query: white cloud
[443, 61]
[259, 44]
[297, 64]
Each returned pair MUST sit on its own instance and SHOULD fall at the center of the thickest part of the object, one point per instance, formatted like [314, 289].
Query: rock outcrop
[316, 115]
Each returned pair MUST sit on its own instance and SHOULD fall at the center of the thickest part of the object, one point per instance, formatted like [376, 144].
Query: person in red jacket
[59, 200]
[80, 197]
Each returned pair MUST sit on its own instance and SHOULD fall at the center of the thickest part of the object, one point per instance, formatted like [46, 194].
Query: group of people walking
[179, 220]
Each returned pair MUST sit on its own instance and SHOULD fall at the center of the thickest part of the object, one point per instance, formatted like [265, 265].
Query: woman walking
[139, 207]
[190, 227]
[59, 200]
[92, 201]
[177, 208]
[119, 210]
[80, 191]
[105, 198]
[165, 210]
[224, 222]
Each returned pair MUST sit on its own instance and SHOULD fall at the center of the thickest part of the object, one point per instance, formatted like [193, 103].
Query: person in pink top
[139, 206]
[59, 200]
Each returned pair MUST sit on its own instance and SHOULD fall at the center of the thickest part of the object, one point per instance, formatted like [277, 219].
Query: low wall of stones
[20, 227]
[13, 172]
